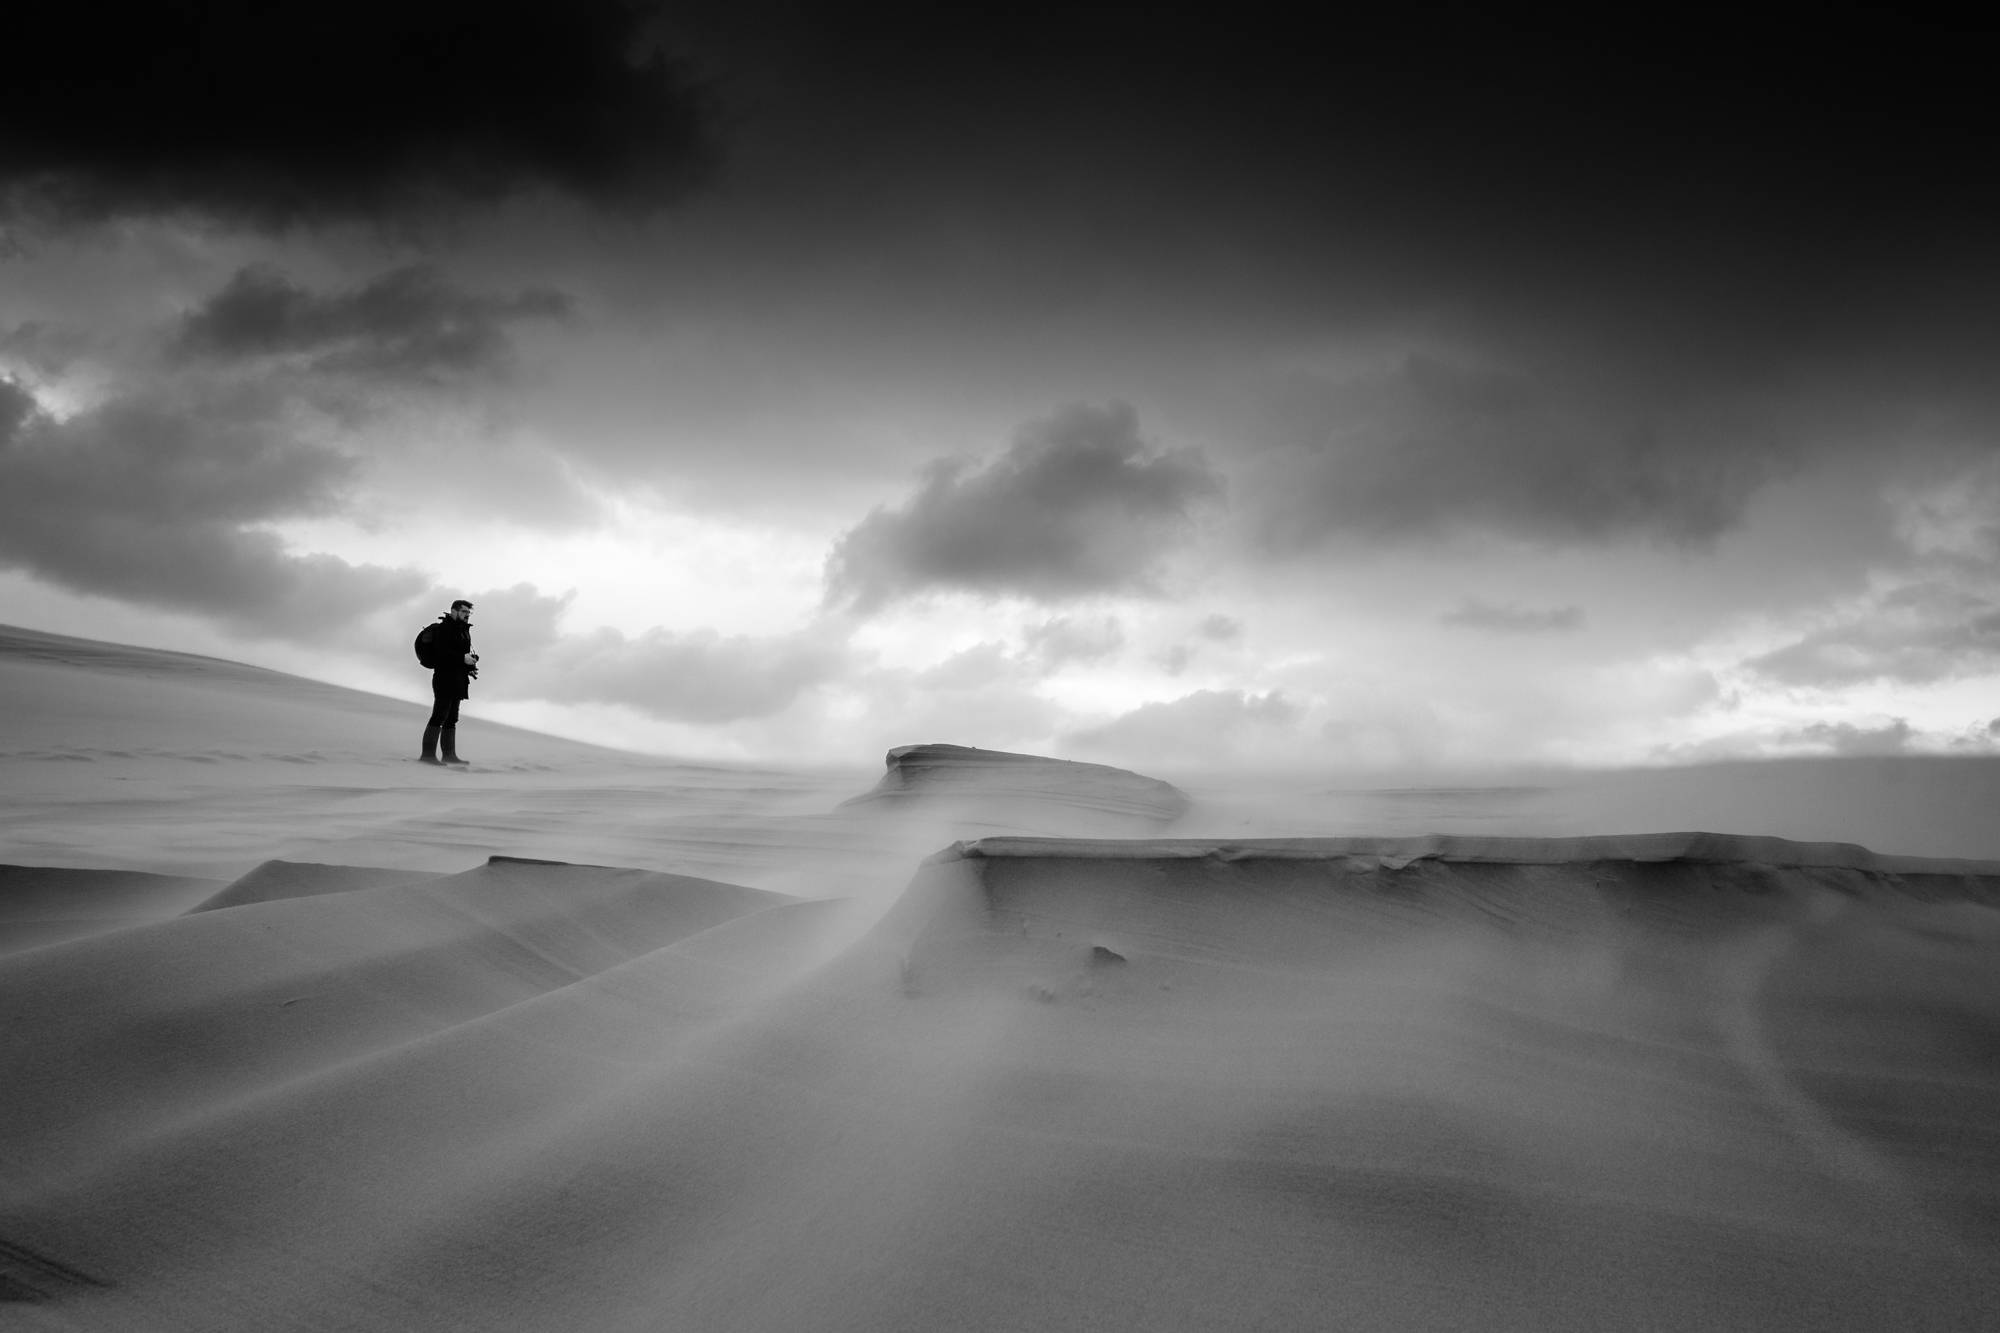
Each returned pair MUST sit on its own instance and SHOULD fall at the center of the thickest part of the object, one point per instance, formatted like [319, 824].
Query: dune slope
[154, 762]
[1674, 1081]
[114, 1036]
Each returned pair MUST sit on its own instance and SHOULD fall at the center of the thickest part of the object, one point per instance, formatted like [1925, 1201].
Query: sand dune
[47, 904]
[764, 1061]
[1674, 1083]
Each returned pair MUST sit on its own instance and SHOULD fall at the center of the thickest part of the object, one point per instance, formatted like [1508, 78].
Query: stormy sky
[1190, 387]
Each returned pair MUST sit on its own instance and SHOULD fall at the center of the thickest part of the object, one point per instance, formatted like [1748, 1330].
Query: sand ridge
[276, 879]
[1396, 852]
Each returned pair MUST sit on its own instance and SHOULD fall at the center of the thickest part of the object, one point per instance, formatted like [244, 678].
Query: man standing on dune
[446, 648]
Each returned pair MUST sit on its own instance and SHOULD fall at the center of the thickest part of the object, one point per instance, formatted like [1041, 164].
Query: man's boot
[451, 746]
[430, 754]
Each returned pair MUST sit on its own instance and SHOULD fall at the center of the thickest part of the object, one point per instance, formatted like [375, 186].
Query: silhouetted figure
[446, 648]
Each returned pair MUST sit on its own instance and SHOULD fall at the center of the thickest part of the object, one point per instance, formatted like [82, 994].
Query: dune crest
[276, 879]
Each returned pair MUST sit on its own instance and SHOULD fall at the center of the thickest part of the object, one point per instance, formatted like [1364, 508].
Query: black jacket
[450, 642]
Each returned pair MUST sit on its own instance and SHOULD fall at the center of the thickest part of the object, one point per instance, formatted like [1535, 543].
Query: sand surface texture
[296, 1034]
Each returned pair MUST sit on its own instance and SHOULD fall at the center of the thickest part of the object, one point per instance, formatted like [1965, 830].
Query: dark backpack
[426, 640]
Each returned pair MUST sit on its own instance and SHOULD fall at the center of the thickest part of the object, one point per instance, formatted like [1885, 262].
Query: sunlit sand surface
[300, 1034]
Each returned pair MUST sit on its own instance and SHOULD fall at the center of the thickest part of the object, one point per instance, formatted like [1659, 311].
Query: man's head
[462, 609]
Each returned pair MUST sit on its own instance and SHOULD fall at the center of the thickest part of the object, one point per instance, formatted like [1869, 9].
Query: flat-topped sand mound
[1675, 1081]
[1024, 791]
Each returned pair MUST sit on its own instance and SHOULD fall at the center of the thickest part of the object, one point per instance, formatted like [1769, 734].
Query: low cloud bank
[1914, 635]
[1205, 726]
[696, 676]
[1436, 448]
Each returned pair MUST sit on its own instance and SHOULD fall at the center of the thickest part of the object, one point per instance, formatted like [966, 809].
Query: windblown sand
[298, 1034]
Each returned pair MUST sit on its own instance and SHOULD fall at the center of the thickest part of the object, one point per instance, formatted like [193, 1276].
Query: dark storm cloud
[1650, 222]
[1080, 504]
[1433, 448]
[157, 502]
[408, 352]
[277, 115]
[1915, 635]
[1475, 614]
[1719, 164]
[407, 325]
